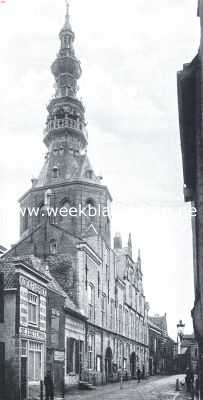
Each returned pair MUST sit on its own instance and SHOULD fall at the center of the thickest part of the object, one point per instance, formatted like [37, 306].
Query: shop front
[31, 336]
[75, 347]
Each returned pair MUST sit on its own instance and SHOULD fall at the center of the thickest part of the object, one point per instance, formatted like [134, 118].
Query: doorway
[23, 378]
[133, 365]
[108, 364]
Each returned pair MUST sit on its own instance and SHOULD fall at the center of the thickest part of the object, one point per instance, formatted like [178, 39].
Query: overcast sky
[130, 51]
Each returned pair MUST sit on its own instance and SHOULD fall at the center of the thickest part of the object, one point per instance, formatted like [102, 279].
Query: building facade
[190, 117]
[99, 328]
[162, 354]
[189, 355]
[22, 327]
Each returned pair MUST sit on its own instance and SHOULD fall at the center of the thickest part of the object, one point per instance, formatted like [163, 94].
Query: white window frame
[33, 300]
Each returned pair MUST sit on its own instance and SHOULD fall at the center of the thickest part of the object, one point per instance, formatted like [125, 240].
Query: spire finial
[67, 25]
[67, 9]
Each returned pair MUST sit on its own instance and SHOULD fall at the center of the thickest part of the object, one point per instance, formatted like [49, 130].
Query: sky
[130, 53]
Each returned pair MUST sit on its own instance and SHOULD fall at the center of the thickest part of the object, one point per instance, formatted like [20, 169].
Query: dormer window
[55, 172]
[89, 174]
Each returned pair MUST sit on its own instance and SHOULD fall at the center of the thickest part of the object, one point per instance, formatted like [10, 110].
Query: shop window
[32, 308]
[74, 356]
[35, 361]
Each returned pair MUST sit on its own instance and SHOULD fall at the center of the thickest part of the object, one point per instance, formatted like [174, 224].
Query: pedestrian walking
[138, 375]
[49, 386]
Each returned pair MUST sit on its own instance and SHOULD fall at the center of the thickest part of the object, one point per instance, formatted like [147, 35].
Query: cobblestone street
[161, 388]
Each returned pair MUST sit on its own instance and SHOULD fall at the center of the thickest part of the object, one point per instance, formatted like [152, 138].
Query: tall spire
[67, 25]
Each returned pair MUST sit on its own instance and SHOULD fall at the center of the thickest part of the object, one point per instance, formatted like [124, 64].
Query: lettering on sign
[32, 334]
[23, 306]
[33, 286]
[75, 325]
[59, 356]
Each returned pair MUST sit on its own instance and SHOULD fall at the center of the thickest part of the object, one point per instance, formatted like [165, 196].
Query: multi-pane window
[74, 356]
[120, 354]
[112, 315]
[35, 361]
[104, 309]
[24, 348]
[90, 352]
[91, 302]
[120, 319]
[126, 323]
[32, 308]
[132, 324]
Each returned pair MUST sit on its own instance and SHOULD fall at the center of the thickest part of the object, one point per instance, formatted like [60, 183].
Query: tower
[67, 180]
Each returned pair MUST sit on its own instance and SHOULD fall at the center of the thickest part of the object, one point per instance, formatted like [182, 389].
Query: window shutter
[1, 297]
[69, 354]
[77, 357]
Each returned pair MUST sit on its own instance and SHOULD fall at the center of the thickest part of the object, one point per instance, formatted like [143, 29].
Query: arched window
[25, 220]
[91, 210]
[64, 214]
[41, 213]
[53, 246]
[55, 172]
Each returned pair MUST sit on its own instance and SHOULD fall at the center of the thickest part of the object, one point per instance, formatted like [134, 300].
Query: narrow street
[161, 388]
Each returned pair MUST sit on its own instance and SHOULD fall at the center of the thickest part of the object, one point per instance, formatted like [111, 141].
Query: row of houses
[41, 329]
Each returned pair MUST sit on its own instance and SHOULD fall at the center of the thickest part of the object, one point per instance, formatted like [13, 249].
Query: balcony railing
[65, 123]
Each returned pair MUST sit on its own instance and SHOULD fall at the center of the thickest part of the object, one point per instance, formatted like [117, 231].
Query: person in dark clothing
[49, 386]
[189, 380]
[138, 375]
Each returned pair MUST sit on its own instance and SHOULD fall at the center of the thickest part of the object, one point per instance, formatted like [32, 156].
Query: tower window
[53, 246]
[25, 221]
[55, 172]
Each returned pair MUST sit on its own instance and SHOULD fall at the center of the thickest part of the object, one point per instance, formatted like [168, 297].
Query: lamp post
[180, 329]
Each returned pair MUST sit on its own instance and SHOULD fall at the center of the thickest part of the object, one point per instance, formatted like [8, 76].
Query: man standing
[49, 386]
[138, 375]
